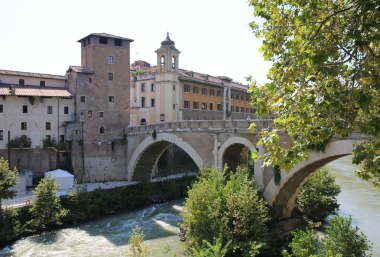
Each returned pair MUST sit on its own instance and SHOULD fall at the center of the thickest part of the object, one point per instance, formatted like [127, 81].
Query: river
[109, 236]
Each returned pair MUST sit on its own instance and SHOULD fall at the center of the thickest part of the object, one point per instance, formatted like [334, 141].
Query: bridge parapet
[200, 125]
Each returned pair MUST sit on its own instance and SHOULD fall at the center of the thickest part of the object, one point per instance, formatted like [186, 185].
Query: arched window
[101, 130]
[142, 122]
[173, 62]
[162, 62]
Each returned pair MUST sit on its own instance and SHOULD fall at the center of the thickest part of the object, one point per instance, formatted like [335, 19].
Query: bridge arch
[235, 145]
[148, 152]
[284, 194]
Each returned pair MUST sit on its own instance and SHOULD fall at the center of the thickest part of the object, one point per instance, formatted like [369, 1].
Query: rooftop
[31, 74]
[106, 35]
[34, 91]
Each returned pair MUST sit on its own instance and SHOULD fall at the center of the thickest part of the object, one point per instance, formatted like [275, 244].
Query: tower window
[1, 108]
[110, 59]
[89, 113]
[21, 82]
[173, 87]
[101, 114]
[173, 62]
[101, 131]
[42, 83]
[24, 126]
[24, 109]
[83, 99]
[103, 40]
[111, 99]
[1, 135]
[118, 42]
[110, 76]
[152, 102]
[142, 101]
[152, 87]
[48, 125]
[162, 62]
[66, 110]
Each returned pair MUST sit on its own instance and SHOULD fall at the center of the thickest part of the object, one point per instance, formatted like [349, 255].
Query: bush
[317, 198]
[19, 142]
[9, 225]
[229, 206]
[341, 239]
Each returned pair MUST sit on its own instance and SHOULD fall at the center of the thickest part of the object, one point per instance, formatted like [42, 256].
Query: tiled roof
[35, 91]
[106, 35]
[31, 74]
[80, 69]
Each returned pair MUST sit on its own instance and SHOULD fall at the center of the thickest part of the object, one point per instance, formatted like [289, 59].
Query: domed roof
[168, 43]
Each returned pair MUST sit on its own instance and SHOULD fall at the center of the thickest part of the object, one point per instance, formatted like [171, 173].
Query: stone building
[166, 93]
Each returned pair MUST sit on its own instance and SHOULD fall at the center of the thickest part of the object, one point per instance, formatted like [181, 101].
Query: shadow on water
[46, 238]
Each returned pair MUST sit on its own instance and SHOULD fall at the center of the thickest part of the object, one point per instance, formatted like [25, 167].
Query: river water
[160, 223]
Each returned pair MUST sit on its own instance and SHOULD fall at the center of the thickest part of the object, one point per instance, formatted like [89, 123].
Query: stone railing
[200, 125]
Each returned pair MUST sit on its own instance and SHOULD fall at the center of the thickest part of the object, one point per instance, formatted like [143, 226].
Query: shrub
[341, 239]
[9, 225]
[19, 142]
[229, 206]
[317, 198]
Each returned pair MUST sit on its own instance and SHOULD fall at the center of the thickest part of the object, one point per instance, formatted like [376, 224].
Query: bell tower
[167, 56]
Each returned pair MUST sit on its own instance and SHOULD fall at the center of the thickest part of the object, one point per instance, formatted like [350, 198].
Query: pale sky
[212, 35]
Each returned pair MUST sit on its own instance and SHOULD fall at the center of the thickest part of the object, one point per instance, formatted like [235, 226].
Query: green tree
[229, 206]
[8, 179]
[46, 209]
[317, 197]
[218, 249]
[324, 81]
[137, 247]
[341, 239]
[9, 225]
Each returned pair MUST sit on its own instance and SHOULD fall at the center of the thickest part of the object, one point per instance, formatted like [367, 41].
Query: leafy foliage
[324, 80]
[341, 239]
[137, 247]
[8, 178]
[317, 198]
[229, 206]
[46, 209]
[9, 224]
[19, 142]
[210, 250]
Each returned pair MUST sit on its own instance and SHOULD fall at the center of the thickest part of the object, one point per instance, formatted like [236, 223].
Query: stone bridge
[216, 143]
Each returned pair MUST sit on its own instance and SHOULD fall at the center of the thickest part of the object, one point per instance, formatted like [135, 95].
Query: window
[118, 42]
[143, 87]
[246, 110]
[142, 101]
[232, 108]
[110, 76]
[1, 135]
[242, 97]
[101, 130]
[24, 109]
[110, 59]
[186, 88]
[66, 110]
[50, 109]
[143, 122]
[219, 107]
[237, 97]
[21, 82]
[89, 80]
[195, 90]
[186, 104]
[162, 62]
[89, 113]
[173, 62]
[219, 93]
[101, 114]
[232, 96]
[152, 102]
[173, 106]
[48, 126]
[204, 91]
[103, 40]
[42, 83]
[111, 99]
[195, 105]
[24, 126]
[241, 109]
[204, 106]
[212, 92]
[237, 108]
[211, 106]
[83, 99]
[173, 87]
[153, 87]
[1, 108]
